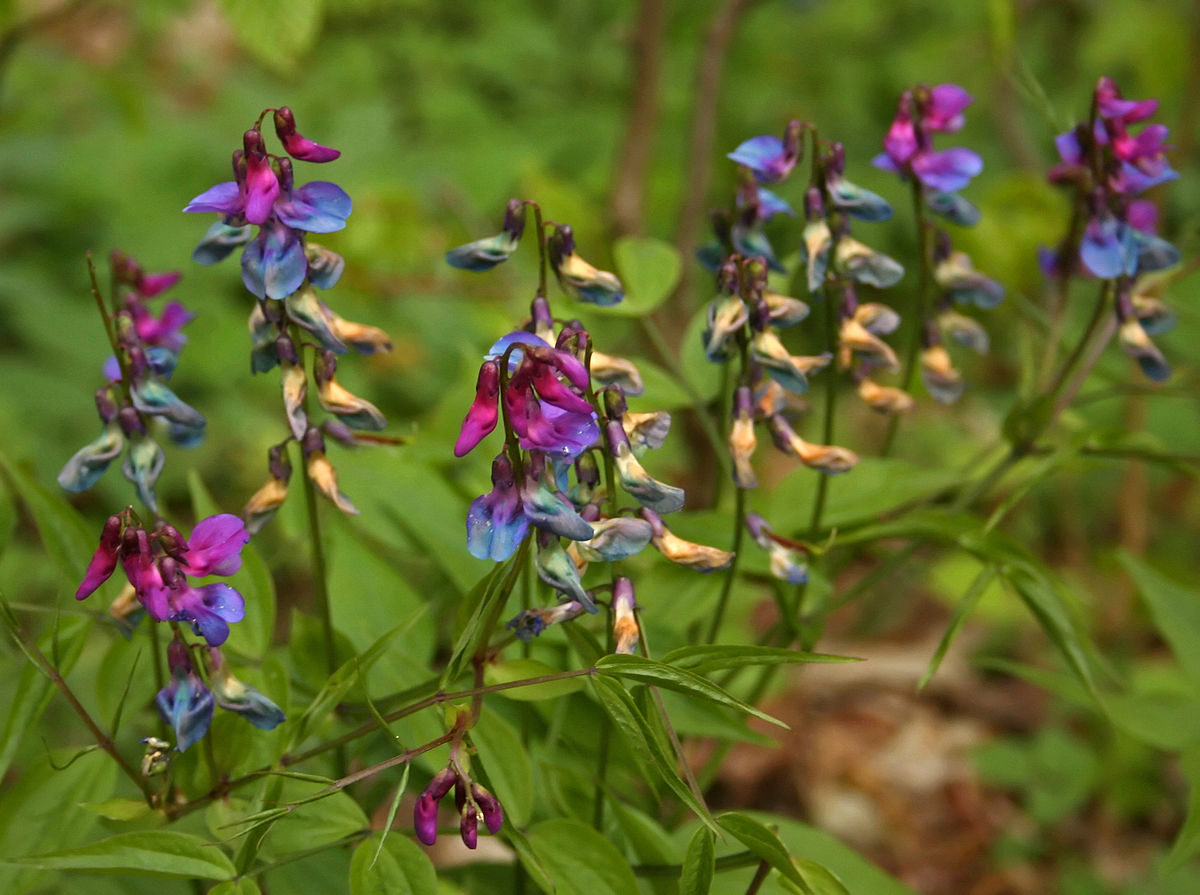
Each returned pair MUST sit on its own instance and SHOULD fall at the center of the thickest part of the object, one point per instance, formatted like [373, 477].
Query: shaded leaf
[153, 853]
[760, 840]
[714, 657]
[699, 865]
[649, 269]
[669, 677]
[1174, 608]
[579, 861]
[399, 867]
[524, 669]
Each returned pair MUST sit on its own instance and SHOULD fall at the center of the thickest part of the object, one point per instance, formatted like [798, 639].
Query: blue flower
[771, 159]
[184, 703]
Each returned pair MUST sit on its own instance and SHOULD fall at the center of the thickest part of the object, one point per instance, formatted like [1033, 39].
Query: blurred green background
[114, 114]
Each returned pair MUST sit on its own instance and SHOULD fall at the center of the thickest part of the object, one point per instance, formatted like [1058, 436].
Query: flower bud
[625, 624]
[104, 560]
[489, 805]
[296, 145]
[469, 826]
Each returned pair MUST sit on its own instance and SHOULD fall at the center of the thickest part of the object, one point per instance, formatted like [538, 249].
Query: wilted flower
[682, 552]
[625, 624]
[484, 254]
[578, 278]
[787, 563]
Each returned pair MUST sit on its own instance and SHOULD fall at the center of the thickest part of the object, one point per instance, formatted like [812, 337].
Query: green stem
[699, 405]
[436, 699]
[832, 308]
[924, 278]
[103, 740]
[1077, 354]
[727, 862]
[739, 530]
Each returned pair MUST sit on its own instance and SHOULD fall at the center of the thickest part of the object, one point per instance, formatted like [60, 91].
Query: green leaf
[649, 751]
[649, 270]
[8, 516]
[1047, 606]
[506, 762]
[34, 690]
[402, 868]
[818, 879]
[321, 818]
[961, 613]
[524, 669]
[706, 658]
[38, 810]
[651, 844]
[276, 32]
[579, 861]
[339, 684]
[69, 540]
[699, 865]
[760, 840]
[1187, 842]
[119, 809]
[1174, 608]
[669, 677]
[152, 853]
[878, 485]
[495, 586]
[243, 886]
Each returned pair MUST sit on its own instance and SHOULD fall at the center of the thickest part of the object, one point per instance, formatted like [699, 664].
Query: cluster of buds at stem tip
[562, 408]
[474, 803]
[159, 562]
[1108, 166]
[137, 400]
[285, 270]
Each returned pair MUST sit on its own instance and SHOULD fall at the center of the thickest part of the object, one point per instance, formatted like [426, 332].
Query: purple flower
[185, 703]
[1107, 248]
[770, 158]
[297, 145]
[481, 419]
[104, 560]
[496, 523]
[215, 546]
[908, 144]
[274, 264]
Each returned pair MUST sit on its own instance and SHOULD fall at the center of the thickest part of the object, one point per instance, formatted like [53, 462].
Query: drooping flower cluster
[186, 702]
[473, 802]
[284, 270]
[159, 564]
[147, 350]
[565, 418]
[1107, 165]
[939, 175]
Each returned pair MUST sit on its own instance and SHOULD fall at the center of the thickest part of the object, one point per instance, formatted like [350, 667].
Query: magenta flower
[297, 145]
[908, 144]
[159, 564]
[274, 264]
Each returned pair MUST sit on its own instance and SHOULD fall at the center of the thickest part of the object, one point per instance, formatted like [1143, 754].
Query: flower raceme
[908, 146]
[159, 564]
[147, 352]
[474, 804]
[275, 263]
